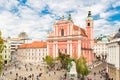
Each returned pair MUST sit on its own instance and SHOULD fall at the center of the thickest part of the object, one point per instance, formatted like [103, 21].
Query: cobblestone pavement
[38, 72]
[95, 72]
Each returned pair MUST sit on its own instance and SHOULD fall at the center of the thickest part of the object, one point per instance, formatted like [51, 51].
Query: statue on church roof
[62, 17]
[70, 18]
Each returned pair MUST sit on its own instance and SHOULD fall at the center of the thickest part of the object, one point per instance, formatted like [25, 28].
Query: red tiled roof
[82, 31]
[95, 40]
[76, 27]
[35, 44]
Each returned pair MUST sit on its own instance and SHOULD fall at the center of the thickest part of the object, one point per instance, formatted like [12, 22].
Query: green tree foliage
[1, 44]
[81, 67]
[49, 60]
[1, 63]
[1, 49]
[65, 60]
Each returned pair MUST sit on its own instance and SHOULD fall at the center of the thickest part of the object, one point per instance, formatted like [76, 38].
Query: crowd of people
[30, 72]
[38, 72]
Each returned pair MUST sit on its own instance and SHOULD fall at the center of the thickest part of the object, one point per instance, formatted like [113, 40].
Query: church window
[88, 24]
[62, 32]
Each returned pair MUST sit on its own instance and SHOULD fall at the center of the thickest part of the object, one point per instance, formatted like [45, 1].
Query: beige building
[113, 58]
[15, 42]
[32, 52]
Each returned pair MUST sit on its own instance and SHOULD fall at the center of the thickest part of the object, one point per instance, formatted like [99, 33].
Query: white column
[70, 48]
[53, 50]
[79, 48]
[89, 55]
[117, 57]
[56, 49]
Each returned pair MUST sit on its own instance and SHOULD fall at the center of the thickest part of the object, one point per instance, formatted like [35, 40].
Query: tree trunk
[78, 76]
[82, 77]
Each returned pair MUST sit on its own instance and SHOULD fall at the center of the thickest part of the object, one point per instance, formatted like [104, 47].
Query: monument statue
[72, 70]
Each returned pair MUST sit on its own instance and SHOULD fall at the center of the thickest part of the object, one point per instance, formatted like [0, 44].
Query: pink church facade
[70, 39]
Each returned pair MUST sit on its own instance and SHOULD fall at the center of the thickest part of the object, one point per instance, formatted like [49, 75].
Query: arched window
[88, 24]
[62, 32]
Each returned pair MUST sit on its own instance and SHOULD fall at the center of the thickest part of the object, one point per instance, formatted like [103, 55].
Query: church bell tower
[89, 28]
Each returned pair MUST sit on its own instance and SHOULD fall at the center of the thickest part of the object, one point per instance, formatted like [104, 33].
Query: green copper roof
[89, 18]
[102, 38]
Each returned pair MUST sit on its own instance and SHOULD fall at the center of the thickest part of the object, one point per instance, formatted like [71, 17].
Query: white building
[15, 42]
[32, 52]
[100, 47]
[113, 58]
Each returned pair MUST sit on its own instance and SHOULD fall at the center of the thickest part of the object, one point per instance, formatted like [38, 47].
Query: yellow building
[6, 53]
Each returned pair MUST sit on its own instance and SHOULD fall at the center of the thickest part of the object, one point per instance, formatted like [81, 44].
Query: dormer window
[62, 32]
[88, 24]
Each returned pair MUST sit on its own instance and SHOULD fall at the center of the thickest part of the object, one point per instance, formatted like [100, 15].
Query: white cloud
[116, 4]
[29, 18]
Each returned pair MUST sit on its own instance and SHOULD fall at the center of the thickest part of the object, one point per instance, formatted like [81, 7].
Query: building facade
[100, 46]
[5, 50]
[15, 42]
[113, 58]
[6, 53]
[32, 52]
[71, 39]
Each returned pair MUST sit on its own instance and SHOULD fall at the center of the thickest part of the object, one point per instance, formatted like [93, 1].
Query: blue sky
[36, 17]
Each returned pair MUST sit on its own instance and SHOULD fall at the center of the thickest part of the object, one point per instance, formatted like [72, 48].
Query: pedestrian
[26, 69]
[54, 72]
[49, 74]
[10, 72]
[94, 73]
[16, 74]
[65, 75]
[3, 74]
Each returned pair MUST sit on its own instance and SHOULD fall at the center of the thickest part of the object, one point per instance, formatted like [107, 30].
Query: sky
[36, 17]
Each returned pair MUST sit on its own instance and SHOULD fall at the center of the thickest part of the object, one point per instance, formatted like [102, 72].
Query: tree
[65, 60]
[1, 63]
[1, 49]
[81, 67]
[49, 60]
